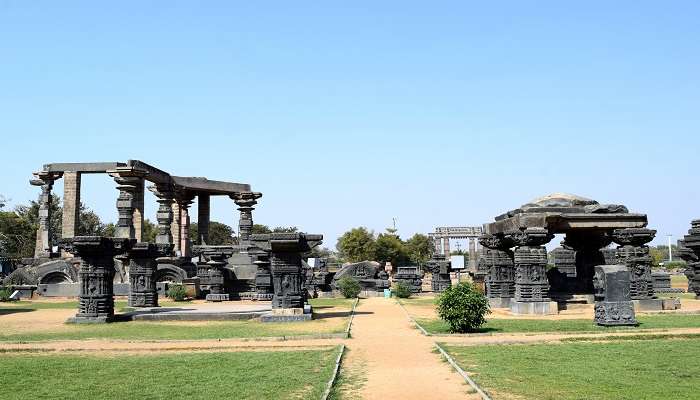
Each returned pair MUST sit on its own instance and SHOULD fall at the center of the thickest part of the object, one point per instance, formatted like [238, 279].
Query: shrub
[463, 308]
[402, 290]
[349, 287]
[5, 293]
[177, 292]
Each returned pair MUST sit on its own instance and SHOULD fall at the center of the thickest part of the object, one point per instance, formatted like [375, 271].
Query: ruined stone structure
[442, 235]
[589, 227]
[96, 275]
[410, 276]
[142, 274]
[370, 275]
[440, 269]
[497, 260]
[689, 251]
[613, 304]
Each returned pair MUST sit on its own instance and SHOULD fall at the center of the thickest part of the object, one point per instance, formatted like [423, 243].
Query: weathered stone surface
[689, 251]
[440, 269]
[410, 276]
[368, 273]
[613, 304]
[142, 274]
[633, 252]
[96, 275]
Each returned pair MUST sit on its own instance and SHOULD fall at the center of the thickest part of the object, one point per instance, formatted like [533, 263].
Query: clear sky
[348, 114]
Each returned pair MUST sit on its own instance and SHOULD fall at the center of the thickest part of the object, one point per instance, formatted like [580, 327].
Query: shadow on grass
[8, 311]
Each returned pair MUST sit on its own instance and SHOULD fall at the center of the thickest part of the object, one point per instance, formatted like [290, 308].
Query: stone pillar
[96, 275]
[71, 204]
[497, 260]
[613, 306]
[164, 216]
[689, 251]
[473, 257]
[440, 268]
[437, 244]
[43, 234]
[138, 210]
[211, 271]
[563, 277]
[203, 218]
[142, 275]
[587, 246]
[129, 184]
[175, 227]
[634, 253]
[446, 246]
[530, 258]
[263, 277]
[246, 202]
[185, 243]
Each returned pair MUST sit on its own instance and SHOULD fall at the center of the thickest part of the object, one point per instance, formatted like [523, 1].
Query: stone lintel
[560, 223]
[87, 168]
[205, 185]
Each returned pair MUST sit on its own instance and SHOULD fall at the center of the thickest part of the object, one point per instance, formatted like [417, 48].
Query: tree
[420, 248]
[358, 244]
[389, 247]
[150, 230]
[463, 307]
[258, 229]
[219, 234]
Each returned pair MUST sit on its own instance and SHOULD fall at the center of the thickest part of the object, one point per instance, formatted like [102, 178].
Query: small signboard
[457, 262]
[311, 262]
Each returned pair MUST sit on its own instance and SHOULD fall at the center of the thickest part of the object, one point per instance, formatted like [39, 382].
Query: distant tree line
[360, 244]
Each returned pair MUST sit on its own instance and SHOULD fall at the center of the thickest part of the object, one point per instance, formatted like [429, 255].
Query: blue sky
[348, 114]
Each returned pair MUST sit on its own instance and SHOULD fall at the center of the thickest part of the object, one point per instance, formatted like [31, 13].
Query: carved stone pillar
[613, 306]
[129, 183]
[446, 246]
[263, 277]
[96, 275]
[164, 216]
[175, 227]
[203, 216]
[286, 251]
[473, 257]
[71, 204]
[211, 271]
[184, 200]
[44, 237]
[689, 251]
[246, 202]
[497, 259]
[633, 252]
[142, 275]
[562, 278]
[440, 269]
[138, 210]
[530, 258]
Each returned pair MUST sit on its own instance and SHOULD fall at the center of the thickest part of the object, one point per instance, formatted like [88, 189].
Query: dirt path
[396, 361]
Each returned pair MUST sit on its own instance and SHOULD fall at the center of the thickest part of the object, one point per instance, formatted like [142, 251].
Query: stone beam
[198, 185]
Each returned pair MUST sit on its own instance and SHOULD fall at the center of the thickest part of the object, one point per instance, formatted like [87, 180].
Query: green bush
[177, 292]
[673, 265]
[5, 293]
[402, 290]
[349, 287]
[463, 308]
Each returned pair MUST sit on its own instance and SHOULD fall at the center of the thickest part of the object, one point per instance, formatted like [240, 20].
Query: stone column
[446, 246]
[129, 184]
[263, 277]
[175, 227]
[44, 235]
[138, 210]
[211, 271]
[497, 259]
[613, 306]
[185, 243]
[142, 275]
[587, 246]
[530, 258]
[472, 254]
[437, 244]
[71, 204]
[563, 277]
[96, 275]
[634, 253]
[203, 218]
[164, 237]
[246, 202]
[689, 251]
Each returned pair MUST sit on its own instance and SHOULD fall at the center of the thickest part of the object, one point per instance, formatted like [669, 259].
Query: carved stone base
[217, 297]
[500, 302]
[287, 315]
[648, 305]
[615, 313]
[534, 307]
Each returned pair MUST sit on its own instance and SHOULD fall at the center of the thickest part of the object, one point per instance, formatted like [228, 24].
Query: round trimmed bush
[402, 290]
[349, 287]
[177, 292]
[463, 307]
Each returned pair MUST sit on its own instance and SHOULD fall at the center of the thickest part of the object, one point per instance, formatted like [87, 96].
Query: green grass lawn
[153, 330]
[436, 326]
[679, 280]
[236, 375]
[620, 370]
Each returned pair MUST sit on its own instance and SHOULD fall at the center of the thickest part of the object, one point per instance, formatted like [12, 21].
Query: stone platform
[199, 312]
[534, 308]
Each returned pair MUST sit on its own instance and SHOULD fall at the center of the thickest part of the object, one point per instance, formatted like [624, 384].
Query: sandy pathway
[396, 361]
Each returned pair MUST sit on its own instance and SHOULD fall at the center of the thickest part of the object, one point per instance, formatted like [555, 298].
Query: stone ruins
[258, 267]
[516, 258]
